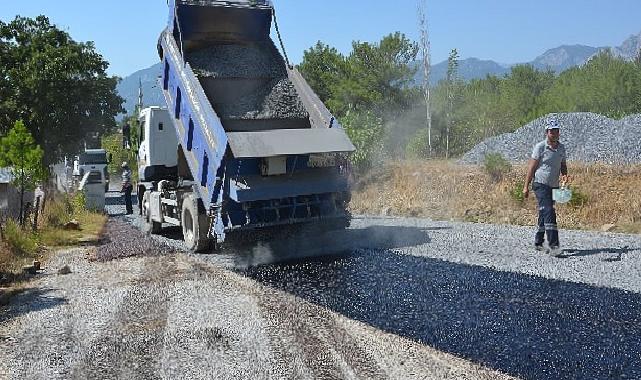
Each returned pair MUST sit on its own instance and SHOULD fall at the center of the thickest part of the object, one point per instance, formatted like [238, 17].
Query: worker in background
[548, 168]
[127, 187]
[126, 136]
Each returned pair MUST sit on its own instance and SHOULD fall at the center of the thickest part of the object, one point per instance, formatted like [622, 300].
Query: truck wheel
[151, 226]
[195, 226]
[140, 194]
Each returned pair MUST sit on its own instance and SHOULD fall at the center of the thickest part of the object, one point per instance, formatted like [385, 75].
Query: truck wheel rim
[189, 226]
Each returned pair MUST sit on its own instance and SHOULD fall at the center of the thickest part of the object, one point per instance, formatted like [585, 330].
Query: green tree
[58, 86]
[606, 85]
[377, 77]
[381, 75]
[521, 93]
[19, 151]
[323, 67]
[365, 129]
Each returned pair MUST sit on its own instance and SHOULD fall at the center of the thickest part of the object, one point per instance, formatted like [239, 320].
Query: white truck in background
[92, 160]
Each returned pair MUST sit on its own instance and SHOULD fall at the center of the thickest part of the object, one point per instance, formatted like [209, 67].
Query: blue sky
[507, 31]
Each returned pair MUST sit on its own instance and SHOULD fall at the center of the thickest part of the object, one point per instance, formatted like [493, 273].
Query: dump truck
[244, 143]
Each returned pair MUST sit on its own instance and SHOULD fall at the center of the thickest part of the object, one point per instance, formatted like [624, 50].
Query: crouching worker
[547, 167]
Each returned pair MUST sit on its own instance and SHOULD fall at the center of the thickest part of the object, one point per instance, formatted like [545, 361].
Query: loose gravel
[275, 99]
[395, 298]
[177, 316]
[135, 242]
[587, 137]
[251, 60]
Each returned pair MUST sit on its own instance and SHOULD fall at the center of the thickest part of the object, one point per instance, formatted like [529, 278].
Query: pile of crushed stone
[588, 138]
[121, 240]
[274, 98]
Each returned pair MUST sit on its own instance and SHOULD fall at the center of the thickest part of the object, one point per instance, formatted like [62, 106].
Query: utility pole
[425, 51]
[452, 83]
[139, 104]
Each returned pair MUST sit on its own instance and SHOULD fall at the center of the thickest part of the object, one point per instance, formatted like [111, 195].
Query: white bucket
[562, 195]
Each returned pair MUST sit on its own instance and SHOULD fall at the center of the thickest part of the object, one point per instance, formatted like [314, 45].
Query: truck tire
[195, 226]
[152, 227]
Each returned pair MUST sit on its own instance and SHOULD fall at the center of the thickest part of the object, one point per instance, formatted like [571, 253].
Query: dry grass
[91, 227]
[444, 190]
[21, 246]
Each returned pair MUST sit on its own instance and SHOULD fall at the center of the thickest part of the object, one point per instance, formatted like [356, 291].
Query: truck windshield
[93, 158]
[94, 177]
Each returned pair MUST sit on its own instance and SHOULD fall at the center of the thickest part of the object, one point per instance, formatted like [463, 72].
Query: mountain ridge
[557, 59]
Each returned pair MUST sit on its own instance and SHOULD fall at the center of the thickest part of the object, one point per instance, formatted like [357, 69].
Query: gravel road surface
[388, 298]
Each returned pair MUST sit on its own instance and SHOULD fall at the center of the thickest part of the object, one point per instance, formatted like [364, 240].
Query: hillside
[557, 59]
[128, 88]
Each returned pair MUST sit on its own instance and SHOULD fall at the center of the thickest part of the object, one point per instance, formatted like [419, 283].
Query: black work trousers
[547, 216]
[128, 205]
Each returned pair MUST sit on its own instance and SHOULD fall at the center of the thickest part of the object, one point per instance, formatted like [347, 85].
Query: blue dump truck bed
[259, 145]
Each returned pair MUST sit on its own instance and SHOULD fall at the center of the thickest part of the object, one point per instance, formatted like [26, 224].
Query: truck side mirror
[109, 158]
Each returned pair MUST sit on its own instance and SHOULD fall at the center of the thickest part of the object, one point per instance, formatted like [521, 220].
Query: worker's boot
[555, 251]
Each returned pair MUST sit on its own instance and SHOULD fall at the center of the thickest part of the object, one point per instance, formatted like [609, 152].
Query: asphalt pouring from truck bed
[444, 286]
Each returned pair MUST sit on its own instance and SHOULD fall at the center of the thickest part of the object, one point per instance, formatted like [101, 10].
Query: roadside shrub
[516, 192]
[63, 209]
[579, 198]
[496, 166]
[56, 213]
[78, 203]
[418, 146]
[5, 257]
[365, 129]
[20, 242]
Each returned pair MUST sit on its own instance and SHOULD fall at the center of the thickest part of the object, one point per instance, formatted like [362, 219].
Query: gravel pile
[256, 60]
[135, 243]
[276, 99]
[587, 137]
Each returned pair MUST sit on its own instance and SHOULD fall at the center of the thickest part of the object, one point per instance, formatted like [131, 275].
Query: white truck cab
[93, 160]
[157, 153]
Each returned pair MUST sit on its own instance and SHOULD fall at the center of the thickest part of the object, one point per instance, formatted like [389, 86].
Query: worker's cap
[552, 124]
[124, 164]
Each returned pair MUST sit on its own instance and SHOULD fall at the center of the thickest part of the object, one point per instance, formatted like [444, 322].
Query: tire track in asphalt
[305, 334]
